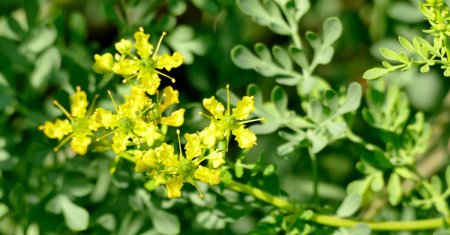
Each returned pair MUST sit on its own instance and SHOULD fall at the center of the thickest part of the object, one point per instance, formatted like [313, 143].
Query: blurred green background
[47, 48]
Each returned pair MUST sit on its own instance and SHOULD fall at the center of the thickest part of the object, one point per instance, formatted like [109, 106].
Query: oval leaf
[375, 73]
[76, 217]
[350, 205]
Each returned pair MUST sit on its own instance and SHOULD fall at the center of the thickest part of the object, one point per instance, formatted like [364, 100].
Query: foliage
[152, 143]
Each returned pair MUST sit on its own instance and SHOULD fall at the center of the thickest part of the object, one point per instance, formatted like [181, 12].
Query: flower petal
[214, 107]
[174, 186]
[245, 138]
[243, 108]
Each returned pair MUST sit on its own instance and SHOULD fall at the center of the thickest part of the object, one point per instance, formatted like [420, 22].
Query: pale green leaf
[165, 222]
[352, 99]
[375, 73]
[280, 99]
[406, 44]
[332, 30]
[350, 205]
[394, 189]
[282, 57]
[389, 54]
[263, 52]
[76, 217]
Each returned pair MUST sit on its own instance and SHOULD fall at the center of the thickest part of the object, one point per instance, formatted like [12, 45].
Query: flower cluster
[136, 129]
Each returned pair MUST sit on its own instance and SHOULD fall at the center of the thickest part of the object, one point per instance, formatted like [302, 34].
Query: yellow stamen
[91, 107]
[228, 99]
[165, 75]
[105, 135]
[67, 138]
[179, 143]
[201, 194]
[159, 44]
[114, 103]
[58, 105]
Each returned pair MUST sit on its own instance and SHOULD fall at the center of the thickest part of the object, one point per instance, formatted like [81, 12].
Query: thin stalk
[334, 221]
[315, 175]
[358, 140]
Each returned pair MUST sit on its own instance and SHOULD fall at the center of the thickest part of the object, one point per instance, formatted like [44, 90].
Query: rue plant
[144, 127]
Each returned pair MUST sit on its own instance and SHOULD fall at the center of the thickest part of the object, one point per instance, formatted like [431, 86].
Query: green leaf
[211, 219]
[406, 44]
[299, 57]
[301, 7]
[377, 183]
[209, 6]
[324, 55]
[447, 176]
[48, 62]
[41, 39]
[332, 30]
[280, 99]
[352, 99]
[165, 222]
[350, 205]
[394, 189]
[184, 40]
[389, 54]
[263, 52]
[266, 15]
[179, 7]
[77, 185]
[313, 40]
[375, 73]
[243, 57]
[76, 217]
[8, 97]
[107, 221]
[282, 57]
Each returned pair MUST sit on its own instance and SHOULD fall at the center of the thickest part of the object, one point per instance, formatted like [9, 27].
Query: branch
[334, 221]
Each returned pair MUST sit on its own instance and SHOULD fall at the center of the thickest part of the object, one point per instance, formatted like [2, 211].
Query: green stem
[334, 221]
[356, 139]
[315, 175]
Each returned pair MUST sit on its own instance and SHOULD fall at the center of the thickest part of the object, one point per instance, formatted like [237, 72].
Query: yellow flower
[174, 186]
[144, 66]
[145, 161]
[210, 176]
[56, 130]
[172, 170]
[175, 119]
[245, 138]
[103, 63]
[225, 121]
[77, 127]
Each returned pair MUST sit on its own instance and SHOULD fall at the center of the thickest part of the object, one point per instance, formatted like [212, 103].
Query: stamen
[228, 99]
[91, 107]
[179, 143]
[58, 105]
[105, 135]
[159, 44]
[207, 116]
[165, 75]
[114, 103]
[251, 120]
[67, 138]
[201, 194]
